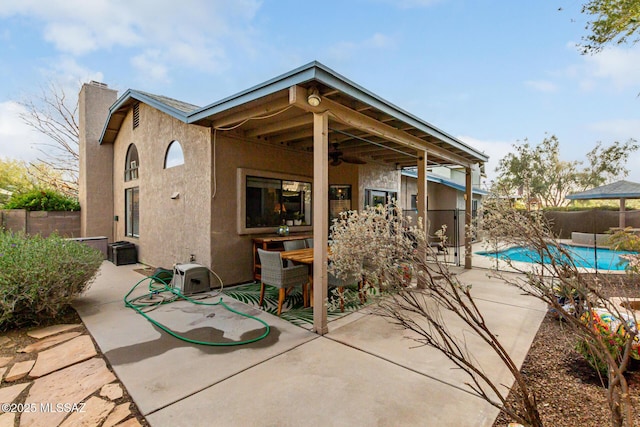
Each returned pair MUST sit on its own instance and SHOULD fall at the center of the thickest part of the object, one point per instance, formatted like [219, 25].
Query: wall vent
[136, 115]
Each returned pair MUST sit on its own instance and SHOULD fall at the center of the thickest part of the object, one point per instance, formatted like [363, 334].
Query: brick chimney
[96, 161]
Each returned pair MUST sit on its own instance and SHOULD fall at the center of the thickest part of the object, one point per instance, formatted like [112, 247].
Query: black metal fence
[452, 222]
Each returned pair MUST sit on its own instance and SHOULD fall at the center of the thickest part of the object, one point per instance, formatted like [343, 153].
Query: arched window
[131, 163]
[174, 156]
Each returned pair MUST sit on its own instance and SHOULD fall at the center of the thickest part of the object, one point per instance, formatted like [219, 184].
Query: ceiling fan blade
[336, 161]
[353, 160]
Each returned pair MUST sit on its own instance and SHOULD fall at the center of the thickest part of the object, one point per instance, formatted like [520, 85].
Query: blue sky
[491, 73]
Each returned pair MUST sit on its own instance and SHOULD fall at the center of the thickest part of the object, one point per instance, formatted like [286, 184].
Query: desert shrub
[42, 200]
[39, 277]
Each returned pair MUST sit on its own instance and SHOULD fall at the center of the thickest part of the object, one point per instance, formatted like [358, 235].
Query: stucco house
[186, 182]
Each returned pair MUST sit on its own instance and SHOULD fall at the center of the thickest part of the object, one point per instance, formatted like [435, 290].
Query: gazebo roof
[617, 190]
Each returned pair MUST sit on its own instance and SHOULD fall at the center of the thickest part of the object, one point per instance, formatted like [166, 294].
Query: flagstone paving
[67, 354]
[52, 330]
[48, 342]
[112, 391]
[19, 370]
[60, 380]
[7, 419]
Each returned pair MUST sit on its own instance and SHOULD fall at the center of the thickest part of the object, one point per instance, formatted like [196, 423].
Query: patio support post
[421, 201]
[622, 221]
[320, 219]
[468, 196]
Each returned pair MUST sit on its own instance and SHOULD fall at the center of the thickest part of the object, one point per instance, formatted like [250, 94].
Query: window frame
[131, 214]
[131, 165]
[241, 197]
[174, 144]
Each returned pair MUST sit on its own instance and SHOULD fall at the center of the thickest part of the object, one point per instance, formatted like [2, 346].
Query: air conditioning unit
[191, 279]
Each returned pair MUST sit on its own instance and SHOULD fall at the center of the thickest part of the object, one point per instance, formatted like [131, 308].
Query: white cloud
[149, 65]
[496, 150]
[165, 34]
[17, 140]
[619, 66]
[346, 50]
[541, 85]
[67, 73]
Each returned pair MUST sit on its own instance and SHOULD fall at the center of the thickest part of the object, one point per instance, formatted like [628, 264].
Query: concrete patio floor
[364, 372]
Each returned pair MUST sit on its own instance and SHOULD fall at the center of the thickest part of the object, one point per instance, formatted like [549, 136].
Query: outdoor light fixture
[313, 97]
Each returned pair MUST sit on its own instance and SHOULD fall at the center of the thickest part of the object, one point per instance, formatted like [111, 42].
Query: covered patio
[364, 372]
[316, 111]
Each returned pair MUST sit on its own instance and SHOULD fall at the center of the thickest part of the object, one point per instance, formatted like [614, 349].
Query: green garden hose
[158, 287]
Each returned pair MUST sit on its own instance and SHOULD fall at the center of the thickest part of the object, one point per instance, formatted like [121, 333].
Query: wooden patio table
[303, 256]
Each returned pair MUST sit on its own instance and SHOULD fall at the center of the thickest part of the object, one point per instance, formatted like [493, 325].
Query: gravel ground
[568, 390]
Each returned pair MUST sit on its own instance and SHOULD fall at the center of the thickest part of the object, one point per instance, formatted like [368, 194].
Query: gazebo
[621, 190]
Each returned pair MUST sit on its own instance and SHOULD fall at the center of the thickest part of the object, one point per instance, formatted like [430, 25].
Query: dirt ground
[569, 392]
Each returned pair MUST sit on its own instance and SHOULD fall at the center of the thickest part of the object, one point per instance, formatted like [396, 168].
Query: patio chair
[309, 242]
[351, 281]
[283, 278]
[291, 245]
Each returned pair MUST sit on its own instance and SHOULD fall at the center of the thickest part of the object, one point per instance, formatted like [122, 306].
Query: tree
[580, 300]
[54, 115]
[539, 174]
[14, 178]
[382, 245]
[616, 21]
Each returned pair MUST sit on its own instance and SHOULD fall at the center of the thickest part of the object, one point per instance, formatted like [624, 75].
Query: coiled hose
[161, 293]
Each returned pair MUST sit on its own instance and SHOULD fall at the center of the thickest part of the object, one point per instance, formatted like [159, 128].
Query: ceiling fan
[337, 157]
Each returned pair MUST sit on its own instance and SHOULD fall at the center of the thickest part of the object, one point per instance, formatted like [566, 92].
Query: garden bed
[569, 392]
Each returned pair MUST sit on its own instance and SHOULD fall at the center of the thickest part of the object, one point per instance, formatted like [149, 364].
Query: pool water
[603, 259]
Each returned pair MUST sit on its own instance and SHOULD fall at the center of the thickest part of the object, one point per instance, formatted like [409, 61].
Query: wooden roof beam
[298, 97]
[252, 112]
[281, 125]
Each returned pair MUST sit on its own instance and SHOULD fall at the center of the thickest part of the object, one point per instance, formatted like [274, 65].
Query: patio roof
[276, 112]
[444, 181]
[617, 190]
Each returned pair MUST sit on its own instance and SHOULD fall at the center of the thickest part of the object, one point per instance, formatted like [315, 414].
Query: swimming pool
[603, 259]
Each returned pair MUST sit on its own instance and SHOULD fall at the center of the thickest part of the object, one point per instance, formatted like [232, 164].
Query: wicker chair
[291, 245]
[273, 274]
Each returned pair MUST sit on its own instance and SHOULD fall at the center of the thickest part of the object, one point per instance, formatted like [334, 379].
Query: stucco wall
[170, 229]
[231, 253]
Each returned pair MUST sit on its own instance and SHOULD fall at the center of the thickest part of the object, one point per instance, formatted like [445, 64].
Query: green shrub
[42, 200]
[39, 277]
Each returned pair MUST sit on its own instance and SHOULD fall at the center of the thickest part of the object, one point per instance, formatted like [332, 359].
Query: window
[131, 164]
[379, 197]
[267, 200]
[271, 201]
[132, 211]
[339, 200]
[174, 156]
